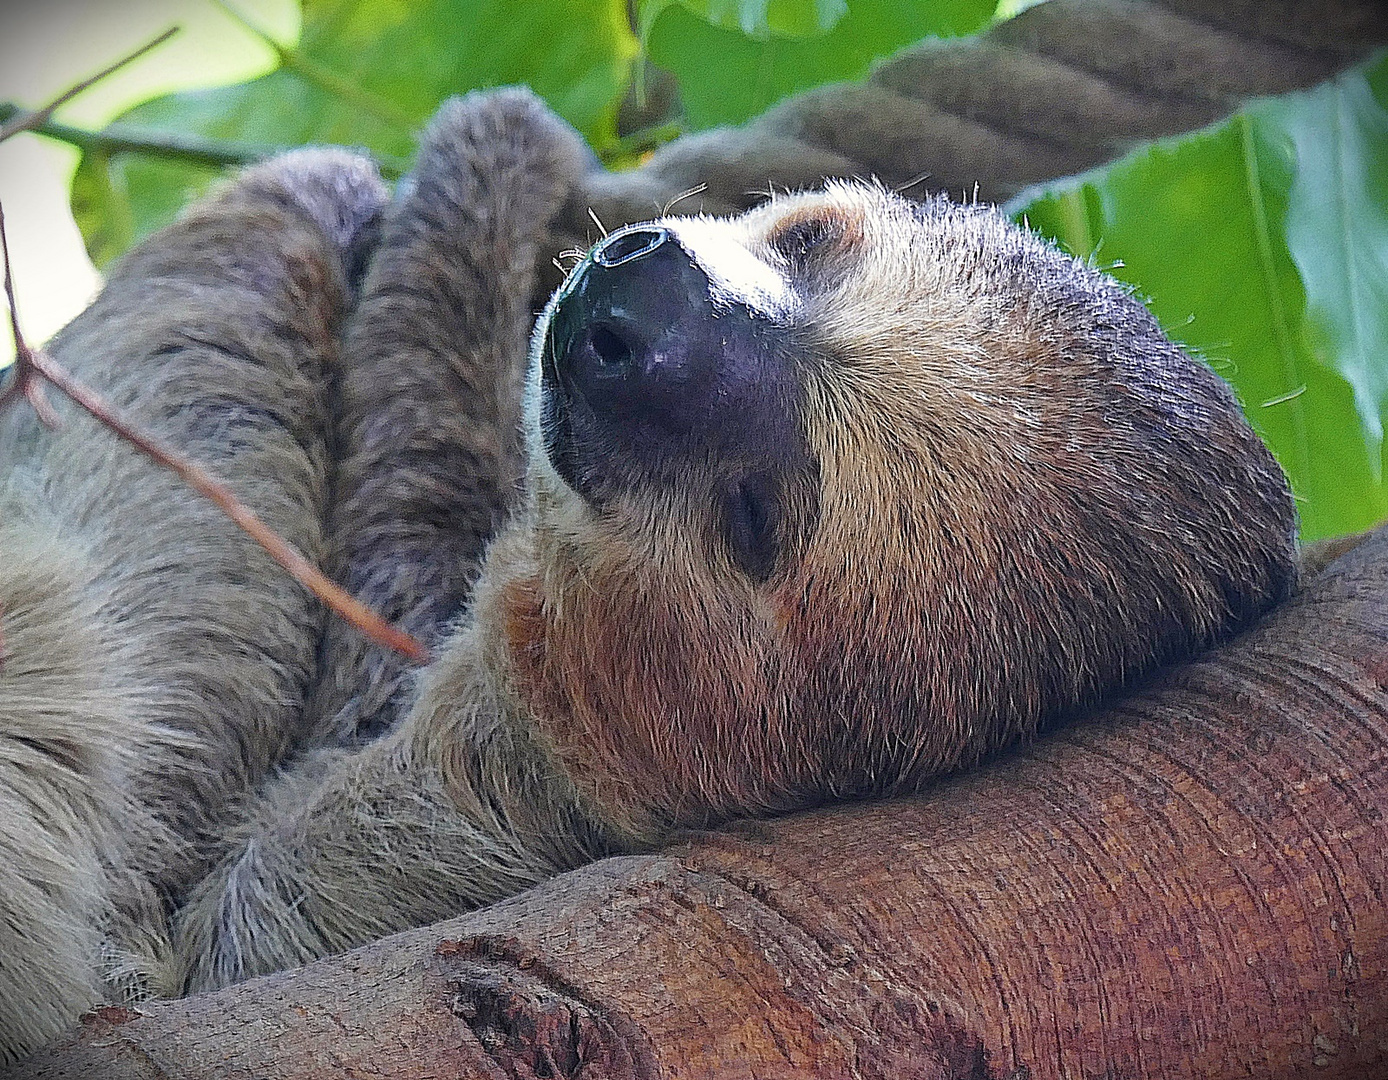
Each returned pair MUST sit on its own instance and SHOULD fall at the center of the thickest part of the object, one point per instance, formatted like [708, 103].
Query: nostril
[630, 244]
[611, 348]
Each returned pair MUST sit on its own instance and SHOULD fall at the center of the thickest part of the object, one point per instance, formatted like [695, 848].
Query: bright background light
[47, 47]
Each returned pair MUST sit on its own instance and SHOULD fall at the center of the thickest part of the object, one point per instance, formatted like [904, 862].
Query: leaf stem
[172, 146]
[315, 74]
[118, 137]
[640, 141]
[13, 124]
[1280, 330]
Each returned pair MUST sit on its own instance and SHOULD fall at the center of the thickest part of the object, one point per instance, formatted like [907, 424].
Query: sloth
[820, 501]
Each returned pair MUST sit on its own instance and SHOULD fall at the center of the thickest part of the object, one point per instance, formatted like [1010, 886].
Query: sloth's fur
[1007, 494]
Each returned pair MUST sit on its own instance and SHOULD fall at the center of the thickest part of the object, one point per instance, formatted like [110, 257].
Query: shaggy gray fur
[429, 470]
[159, 667]
[156, 669]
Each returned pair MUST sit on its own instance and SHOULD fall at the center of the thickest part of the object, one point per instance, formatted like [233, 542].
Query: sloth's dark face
[658, 375]
[845, 491]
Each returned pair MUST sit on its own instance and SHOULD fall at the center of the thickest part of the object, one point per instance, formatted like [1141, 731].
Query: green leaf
[1262, 244]
[752, 74]
[413, 55]
[1337, 234]
[101, 208]
[110, 219]
[755, 18]
[369, 74]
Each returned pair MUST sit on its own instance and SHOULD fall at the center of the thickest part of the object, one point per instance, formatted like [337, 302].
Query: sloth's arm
[454, 810]
[216, 336]
[448, 811]
[434, 362]
[351, 846]
[156, 660]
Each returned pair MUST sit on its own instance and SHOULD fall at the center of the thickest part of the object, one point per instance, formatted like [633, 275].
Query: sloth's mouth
[562, 442]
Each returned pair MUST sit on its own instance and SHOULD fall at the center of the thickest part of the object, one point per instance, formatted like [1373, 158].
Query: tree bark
[1190, 883]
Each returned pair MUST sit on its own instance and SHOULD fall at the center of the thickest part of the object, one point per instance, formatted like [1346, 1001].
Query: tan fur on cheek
[655, 683]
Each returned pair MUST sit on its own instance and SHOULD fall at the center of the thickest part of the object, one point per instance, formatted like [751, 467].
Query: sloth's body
[824, 500]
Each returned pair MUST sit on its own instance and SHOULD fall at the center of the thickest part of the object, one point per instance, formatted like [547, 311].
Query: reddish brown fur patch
[637, 694]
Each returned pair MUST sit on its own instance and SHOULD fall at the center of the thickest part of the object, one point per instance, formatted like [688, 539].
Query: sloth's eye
[752, 508]
[796, 240]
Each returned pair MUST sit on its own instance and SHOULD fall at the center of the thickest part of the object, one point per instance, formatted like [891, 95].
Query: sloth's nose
[631, 244]
[634, 331]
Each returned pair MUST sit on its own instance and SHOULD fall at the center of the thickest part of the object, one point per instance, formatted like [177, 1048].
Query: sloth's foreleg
[434, 359]
[446, 812]
[157, 659]
[456, 809]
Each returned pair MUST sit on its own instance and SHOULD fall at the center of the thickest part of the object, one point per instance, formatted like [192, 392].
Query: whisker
[699, 190]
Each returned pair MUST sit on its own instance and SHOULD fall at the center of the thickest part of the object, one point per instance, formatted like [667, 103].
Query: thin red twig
[33, 368]
[283, 552]
[25, 384]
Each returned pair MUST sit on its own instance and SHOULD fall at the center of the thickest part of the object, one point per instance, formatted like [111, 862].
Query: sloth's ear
[752, 516]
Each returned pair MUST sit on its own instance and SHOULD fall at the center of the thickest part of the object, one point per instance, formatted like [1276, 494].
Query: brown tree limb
[1193, 883]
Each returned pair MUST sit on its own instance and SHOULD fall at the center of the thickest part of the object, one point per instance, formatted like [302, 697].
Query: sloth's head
[846, 491]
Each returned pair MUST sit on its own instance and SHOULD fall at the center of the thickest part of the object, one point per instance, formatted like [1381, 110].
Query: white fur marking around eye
[735, 274]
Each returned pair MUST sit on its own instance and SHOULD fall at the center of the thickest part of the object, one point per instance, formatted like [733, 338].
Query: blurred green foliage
[755, 18]
[1261, 243]
[754, 72]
